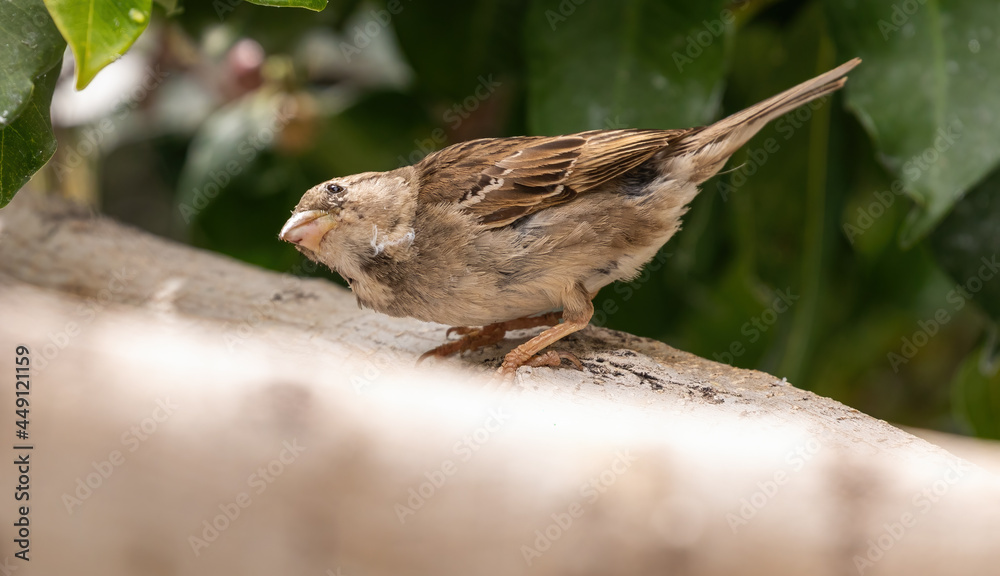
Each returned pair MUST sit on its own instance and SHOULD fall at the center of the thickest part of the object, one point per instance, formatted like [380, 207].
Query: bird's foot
[474, 338]
[471, 339]
[551, 359]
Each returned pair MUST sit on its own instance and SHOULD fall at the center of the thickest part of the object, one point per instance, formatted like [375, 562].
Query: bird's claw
[471, 339]
[460, 330]
[551, 359]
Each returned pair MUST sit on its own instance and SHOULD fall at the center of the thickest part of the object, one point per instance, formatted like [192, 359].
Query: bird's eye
[333, 189]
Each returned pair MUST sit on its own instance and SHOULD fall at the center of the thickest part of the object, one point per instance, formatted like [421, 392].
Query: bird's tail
[714, 144]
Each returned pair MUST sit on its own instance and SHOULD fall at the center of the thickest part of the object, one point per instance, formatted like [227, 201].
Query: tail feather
[714, 144]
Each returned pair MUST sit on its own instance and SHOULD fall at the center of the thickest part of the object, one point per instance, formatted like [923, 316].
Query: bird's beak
[307, 228]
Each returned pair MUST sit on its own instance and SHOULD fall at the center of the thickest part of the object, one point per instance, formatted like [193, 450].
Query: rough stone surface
[228, 390]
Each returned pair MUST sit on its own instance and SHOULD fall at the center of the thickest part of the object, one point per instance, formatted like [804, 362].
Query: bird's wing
[503, 179]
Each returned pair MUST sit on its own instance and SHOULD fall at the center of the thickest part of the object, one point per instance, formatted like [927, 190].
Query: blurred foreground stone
[190, 414]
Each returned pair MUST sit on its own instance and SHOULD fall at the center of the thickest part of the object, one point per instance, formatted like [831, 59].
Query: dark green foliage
[846, 247]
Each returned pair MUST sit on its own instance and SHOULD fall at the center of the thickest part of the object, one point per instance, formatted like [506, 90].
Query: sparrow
[501, 234]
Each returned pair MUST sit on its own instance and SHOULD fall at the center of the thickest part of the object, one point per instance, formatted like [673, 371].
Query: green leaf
[928, 93]
[967, 244]
[98, 31]
[32, 47]
[314, 5]
[640, 64]
[976, 390]
[27, 143]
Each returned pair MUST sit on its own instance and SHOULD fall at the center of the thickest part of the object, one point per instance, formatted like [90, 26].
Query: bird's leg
[547, 319]
[577, 311]
[475, 338]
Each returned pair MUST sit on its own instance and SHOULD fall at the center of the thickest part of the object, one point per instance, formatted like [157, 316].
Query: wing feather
[501, 180]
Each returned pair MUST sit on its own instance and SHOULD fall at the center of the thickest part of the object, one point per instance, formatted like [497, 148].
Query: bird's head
[344, 221]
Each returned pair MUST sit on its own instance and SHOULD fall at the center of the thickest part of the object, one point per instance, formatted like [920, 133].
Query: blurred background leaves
[599, 65]
[851, 247]
[927, 67]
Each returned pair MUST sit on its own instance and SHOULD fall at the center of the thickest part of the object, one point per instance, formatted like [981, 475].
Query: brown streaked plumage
[487, 235]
